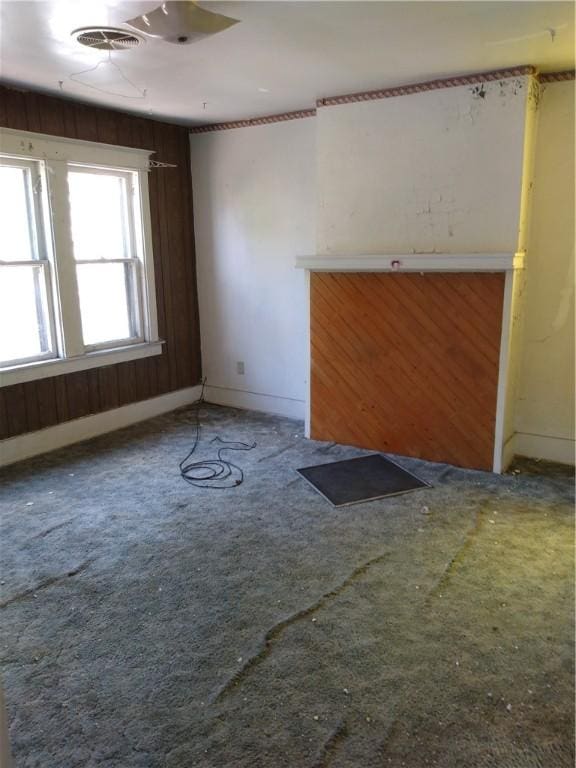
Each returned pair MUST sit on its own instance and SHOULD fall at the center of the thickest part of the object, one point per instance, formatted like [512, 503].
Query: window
[76, 276]
[105, 254]
[25, 278]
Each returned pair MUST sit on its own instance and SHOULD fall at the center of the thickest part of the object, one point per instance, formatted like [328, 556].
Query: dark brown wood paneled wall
[35, 405]
[407, 363]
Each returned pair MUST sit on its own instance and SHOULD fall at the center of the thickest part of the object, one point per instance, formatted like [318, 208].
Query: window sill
[43, 369]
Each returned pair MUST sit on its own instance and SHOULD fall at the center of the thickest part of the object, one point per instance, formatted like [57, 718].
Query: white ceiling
[283, 56]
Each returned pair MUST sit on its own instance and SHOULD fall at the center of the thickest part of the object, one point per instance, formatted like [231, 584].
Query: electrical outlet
[240, 367]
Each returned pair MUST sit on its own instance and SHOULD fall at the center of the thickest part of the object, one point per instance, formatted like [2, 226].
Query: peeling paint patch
[534, 94]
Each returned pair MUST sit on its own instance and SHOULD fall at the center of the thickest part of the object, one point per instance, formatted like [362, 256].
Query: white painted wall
[254, 212]
[545, 411]
[439, 170]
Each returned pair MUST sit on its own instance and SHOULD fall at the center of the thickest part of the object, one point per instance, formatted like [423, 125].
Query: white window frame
[52, 158]
[132, 255]
[41, 258]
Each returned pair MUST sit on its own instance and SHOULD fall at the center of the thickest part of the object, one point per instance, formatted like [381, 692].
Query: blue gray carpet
[149, 623]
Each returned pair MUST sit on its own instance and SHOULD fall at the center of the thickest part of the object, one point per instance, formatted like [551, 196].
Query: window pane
[104, 302]
[24, 327]
[98, 215]
[16, 243]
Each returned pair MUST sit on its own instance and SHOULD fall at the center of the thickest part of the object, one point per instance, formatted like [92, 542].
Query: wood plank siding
[407, 363]
[32, 406]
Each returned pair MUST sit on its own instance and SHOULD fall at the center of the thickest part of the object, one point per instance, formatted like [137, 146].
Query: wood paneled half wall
[44, 403]
[407, 363]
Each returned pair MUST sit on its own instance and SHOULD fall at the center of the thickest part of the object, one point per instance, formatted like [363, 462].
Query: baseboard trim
[560, 449]
[50, 439]
[255, 401]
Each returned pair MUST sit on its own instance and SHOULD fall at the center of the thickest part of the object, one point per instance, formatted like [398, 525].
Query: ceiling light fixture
[181, 22]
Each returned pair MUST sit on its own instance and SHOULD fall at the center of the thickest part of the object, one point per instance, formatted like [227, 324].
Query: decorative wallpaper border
[556, 77]
[430, 85]
[298, 115]
[386, 93]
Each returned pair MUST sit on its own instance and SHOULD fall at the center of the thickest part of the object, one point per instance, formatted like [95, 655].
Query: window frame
[41, 258]
[135, 262]
[52, 158]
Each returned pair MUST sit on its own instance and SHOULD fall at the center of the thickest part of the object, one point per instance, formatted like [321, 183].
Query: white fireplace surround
[510, 263]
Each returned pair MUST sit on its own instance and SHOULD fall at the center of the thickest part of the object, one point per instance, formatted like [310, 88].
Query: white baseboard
[34, 443]
[560, 449]
[254, 401]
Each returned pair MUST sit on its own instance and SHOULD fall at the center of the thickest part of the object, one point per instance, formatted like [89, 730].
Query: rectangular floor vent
[363, 479]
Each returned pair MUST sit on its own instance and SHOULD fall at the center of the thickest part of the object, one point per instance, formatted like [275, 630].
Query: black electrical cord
[203, 474]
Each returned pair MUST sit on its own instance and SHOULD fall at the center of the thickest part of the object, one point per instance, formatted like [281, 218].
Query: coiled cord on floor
[219, 473]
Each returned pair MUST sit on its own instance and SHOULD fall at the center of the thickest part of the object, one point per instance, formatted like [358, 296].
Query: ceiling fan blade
[181, 22]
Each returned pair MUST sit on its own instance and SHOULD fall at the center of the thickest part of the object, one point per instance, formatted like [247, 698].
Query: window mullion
[143, 231]
[47, 271]
[65, 266]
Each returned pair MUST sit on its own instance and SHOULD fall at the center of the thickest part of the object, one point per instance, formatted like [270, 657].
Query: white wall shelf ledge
[413, 262]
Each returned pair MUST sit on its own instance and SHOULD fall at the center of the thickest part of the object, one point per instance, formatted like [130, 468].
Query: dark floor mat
[363, 479]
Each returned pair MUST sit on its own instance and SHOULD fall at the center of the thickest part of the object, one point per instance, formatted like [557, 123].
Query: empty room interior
[287, 360]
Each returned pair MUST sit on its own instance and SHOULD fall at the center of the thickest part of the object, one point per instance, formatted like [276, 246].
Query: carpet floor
[149, 623]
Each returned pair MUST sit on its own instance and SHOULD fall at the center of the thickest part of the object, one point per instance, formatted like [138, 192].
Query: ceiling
[281, 57]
